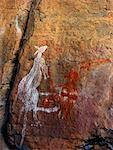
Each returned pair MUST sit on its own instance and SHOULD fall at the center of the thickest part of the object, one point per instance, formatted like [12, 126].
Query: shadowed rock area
[74, 108]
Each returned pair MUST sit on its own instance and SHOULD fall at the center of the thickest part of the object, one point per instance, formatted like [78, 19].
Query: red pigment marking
[68, 95]
[87, 65]
[67, 105]
[52, 99]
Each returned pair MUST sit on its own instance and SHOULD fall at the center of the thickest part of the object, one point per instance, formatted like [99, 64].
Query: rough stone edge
[27, 33]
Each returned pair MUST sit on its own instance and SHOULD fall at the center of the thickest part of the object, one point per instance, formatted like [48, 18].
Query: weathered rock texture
[79, 35]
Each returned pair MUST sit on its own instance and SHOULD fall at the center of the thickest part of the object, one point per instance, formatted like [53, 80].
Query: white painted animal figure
[27, 89]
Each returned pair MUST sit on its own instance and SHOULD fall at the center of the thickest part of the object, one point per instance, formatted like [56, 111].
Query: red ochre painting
[57, 100]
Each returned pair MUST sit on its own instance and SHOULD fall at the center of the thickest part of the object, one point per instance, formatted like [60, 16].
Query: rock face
[79, 58]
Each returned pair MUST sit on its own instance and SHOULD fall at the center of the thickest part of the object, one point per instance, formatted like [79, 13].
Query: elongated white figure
[27, 89]
[17, 26]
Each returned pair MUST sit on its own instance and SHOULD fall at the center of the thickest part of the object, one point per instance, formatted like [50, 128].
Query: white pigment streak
[17, 26]
[27, 88]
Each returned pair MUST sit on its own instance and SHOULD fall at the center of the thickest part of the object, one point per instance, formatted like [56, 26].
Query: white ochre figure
[27, 89]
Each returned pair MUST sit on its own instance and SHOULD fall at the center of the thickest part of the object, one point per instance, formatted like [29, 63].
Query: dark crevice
[27, 33]
[29, 26]
[105, 142]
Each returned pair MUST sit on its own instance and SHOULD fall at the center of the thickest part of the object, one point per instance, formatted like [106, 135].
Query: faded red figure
[88, 64]
[69, 95]
[66, 98]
